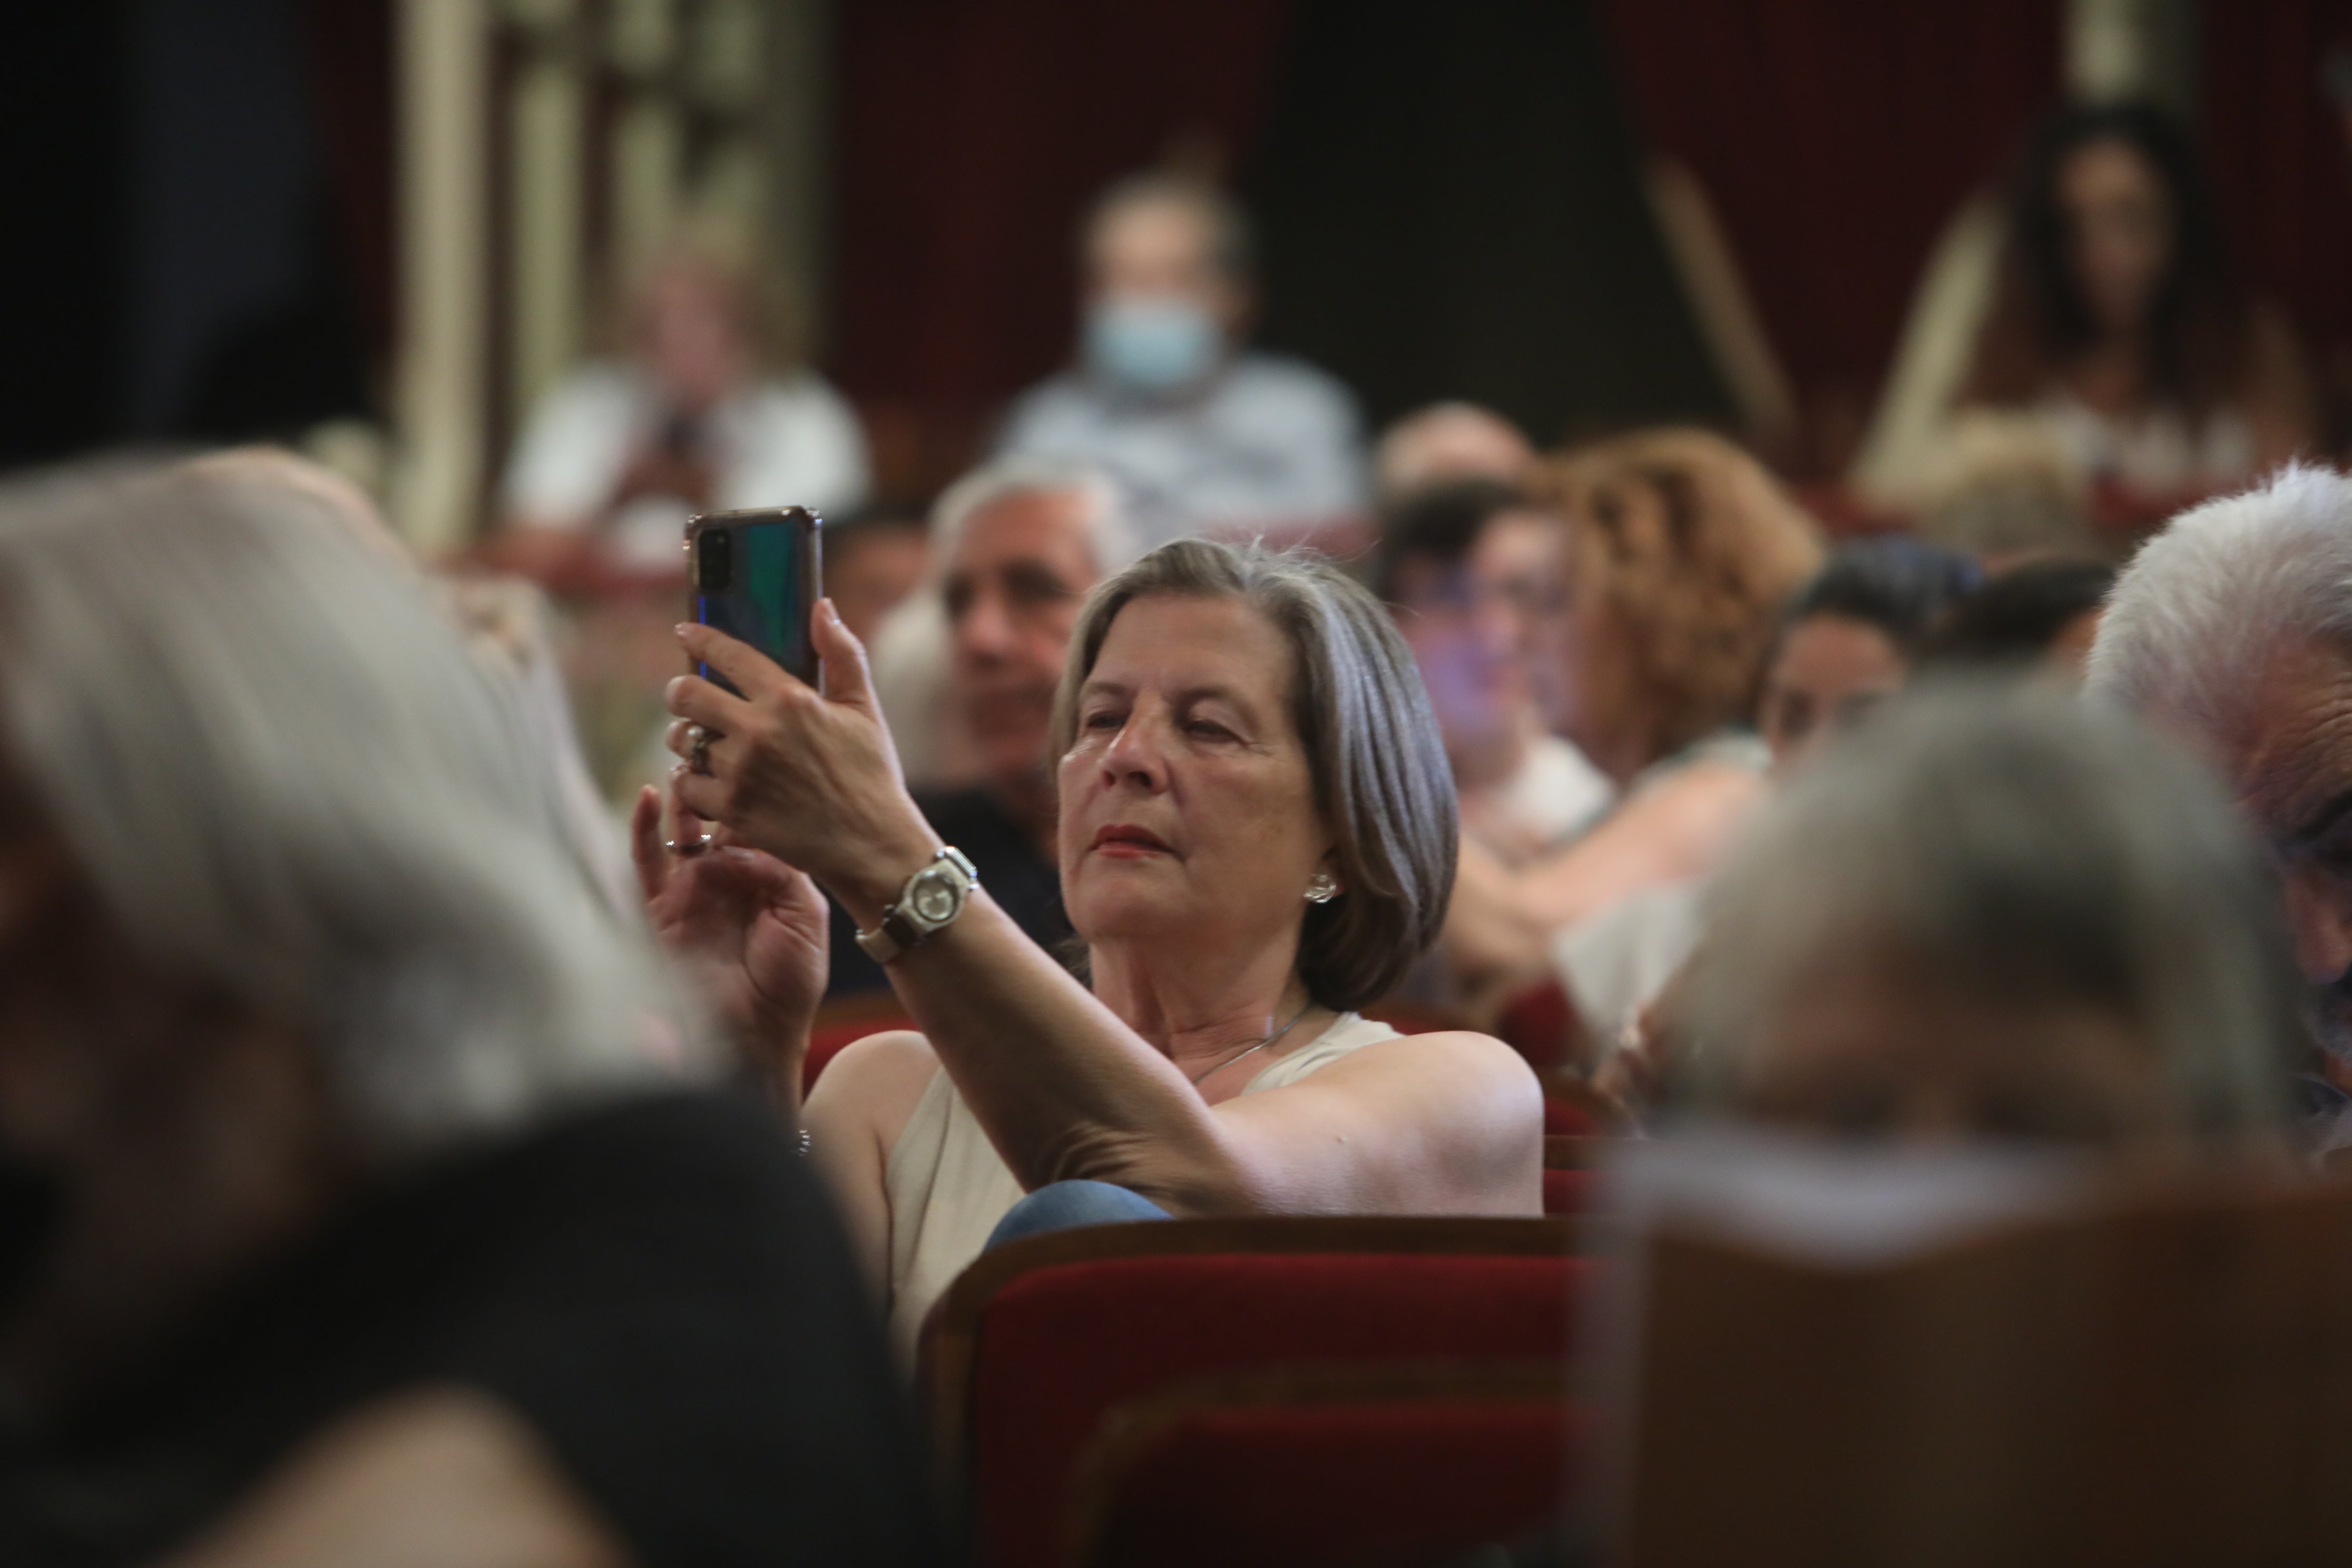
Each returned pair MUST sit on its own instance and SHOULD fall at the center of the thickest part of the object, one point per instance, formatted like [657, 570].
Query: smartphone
[756, 575]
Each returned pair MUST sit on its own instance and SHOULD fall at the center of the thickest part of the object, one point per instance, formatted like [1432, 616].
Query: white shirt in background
[1615, 961]
[1554, 796]
[790, 441]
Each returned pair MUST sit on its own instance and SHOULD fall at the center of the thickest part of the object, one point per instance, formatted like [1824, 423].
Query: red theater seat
[1040, 1342]
[840, 1023]
[1329, 1467]
[1570, 1174]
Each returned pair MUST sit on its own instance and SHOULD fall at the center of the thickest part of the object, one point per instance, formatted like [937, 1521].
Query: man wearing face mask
[1200, 435]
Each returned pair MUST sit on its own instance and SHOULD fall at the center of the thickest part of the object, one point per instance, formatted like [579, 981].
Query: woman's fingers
[755, 675]
[645, 850]
[843, 671]
[699, 701]
[698, 793]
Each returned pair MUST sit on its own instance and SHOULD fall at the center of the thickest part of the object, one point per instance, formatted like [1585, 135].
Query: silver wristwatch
[930, 901]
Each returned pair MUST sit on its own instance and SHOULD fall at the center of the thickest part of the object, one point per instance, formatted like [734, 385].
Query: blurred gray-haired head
[269, 750]
[1108, 537]
[2206, 604]
[2024, 847]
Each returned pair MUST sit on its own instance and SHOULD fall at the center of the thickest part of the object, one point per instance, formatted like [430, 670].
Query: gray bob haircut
[1377, 768]
[2015, 844]
[271, 754]
[2205, 604]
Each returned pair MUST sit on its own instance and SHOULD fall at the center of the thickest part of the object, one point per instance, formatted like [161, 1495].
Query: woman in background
[2119, 323]
[1676, 554]
[710, 409]
[1846, 645]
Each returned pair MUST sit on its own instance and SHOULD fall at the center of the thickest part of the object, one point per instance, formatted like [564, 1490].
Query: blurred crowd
[1204, 811]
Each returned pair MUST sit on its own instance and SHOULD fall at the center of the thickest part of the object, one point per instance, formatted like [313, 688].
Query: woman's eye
[1105, 719]
[1209, 730]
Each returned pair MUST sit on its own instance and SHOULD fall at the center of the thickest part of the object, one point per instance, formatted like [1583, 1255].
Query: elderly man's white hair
[1110, 538]
[2206, 604]
[271, 754]
[910, 647]
[2023, 846]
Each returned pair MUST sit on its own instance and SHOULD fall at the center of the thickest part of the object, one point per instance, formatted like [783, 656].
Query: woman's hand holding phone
[806, 773]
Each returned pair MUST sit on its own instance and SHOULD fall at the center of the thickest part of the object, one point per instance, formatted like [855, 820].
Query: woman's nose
[1138, 750]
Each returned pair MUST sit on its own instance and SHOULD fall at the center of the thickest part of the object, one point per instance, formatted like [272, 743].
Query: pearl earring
[1321, 887]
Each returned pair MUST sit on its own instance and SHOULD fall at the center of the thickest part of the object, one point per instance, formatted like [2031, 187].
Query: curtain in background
[1452, 206]
[1836, 138]
[970, 136]
[2283, 170]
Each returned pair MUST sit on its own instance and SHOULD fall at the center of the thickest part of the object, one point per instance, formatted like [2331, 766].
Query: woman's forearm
[1066, 1090]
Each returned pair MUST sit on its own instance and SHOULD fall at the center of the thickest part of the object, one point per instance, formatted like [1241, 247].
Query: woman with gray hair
[1995, 913]
[1256, 838]
[343, 1210]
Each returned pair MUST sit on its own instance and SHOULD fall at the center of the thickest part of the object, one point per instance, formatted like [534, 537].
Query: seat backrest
[1571, 1173]
[1041, 1340]
[1305, 1466]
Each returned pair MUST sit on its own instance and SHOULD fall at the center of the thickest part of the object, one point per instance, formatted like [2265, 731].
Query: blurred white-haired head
[266, 747]
[2207, 604]
[2003, 912]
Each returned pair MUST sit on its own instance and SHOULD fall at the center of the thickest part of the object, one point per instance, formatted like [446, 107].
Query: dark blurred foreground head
[2000, 914]
[334, 1163]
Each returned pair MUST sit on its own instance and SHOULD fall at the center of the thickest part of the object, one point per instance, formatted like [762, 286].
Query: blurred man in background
[1449, 441]
[2233, 627]
[709, 409]
[979, 656]
[1201, 433]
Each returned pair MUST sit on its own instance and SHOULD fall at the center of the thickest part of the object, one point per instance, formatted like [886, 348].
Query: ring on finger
[698, 749]
[686, 849]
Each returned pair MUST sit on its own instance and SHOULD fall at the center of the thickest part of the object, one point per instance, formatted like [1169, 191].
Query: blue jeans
[1067, 1206]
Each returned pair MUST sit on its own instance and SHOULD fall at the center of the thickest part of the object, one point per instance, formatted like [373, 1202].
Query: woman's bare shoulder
[1456, 1056]
[875, 1082]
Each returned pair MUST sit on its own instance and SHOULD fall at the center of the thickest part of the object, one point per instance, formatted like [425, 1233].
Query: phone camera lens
[714, 562]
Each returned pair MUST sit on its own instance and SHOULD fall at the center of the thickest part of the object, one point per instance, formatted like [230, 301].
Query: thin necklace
[1262, 1045]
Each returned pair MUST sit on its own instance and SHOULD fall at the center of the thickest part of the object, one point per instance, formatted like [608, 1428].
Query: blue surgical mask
[1151, 344]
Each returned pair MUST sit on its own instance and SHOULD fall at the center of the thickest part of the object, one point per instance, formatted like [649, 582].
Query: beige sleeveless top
[949, 1187]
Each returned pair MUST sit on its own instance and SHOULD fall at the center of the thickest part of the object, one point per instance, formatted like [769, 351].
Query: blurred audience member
[505, 622]
[2038, 618]
[2003, 487]
[1446, 442]
[1015, 546]
[346, 1216]
[1201, 433]
[871, 563]
[709, 408]
[1999, 915]
[1679, 552]
[2233, 627]
[1470, 570]
[2119, 323]
[1257, 835]
[1847, 642]
[1850, 637]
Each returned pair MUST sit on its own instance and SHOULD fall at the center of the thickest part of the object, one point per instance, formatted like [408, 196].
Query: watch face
[935, 901]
